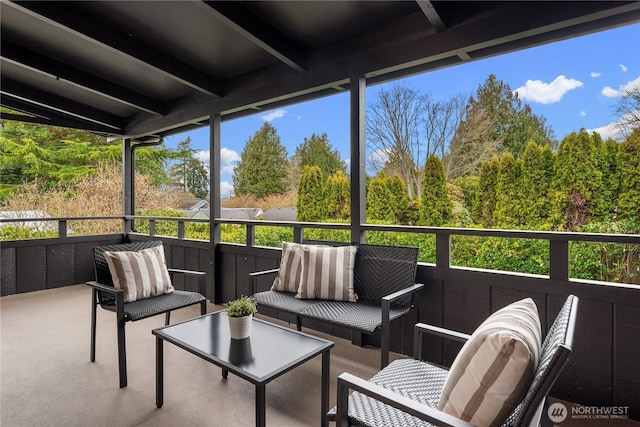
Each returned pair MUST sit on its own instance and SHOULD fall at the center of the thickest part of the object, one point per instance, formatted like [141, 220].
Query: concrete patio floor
[46, 378]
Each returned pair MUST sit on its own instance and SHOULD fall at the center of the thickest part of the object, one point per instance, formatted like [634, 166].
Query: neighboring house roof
[200, 214]
[194, 204]
[281, 214]
[240, 213]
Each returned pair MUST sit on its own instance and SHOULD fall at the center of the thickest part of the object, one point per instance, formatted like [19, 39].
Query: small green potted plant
[240, 312]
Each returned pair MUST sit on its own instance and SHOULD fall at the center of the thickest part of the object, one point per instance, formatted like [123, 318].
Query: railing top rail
[451, 231]
[69, 218]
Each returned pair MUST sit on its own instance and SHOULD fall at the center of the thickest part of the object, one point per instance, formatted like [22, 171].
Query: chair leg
[93, 324]
[203, 307]
[122, 354]
[299, 323]
[167, 318]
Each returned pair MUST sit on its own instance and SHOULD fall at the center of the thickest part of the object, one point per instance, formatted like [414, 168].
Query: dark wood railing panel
[603, 369]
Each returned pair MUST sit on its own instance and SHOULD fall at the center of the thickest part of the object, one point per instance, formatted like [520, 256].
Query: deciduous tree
[393, 122]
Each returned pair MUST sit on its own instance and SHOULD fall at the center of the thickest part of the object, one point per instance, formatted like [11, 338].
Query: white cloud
[583, 113]
[595, 74]
[610, 92]
[273, 115]
[203, 156]
[228, 156]
[547, 93]
[226, 190]
[608, 131]
[227, 169]
[623, 68]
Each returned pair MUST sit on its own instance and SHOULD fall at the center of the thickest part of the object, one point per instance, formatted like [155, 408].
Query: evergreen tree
[629, 177]
[399, 200]
[310, 203]
[261, 170]
[513, 124]
[470, 187]
[577, 181]
[378, 197]
[337, 196]
[608, 159]
[188, 173]
[436, 205]
[54, 156]
[316, 151]
[487, 188]
[509, 192]
[537, 171]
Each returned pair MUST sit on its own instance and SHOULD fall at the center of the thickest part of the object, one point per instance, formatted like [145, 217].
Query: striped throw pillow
[327, 273]
[493, 370]
[140, 274]
[288, 276]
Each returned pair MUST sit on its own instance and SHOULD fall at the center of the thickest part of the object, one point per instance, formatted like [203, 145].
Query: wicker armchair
[406, 393]
[108, 297]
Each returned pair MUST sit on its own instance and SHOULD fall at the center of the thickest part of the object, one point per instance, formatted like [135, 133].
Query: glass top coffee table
[271, 351]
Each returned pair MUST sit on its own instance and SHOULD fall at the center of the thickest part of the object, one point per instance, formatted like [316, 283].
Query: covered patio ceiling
[139, 69]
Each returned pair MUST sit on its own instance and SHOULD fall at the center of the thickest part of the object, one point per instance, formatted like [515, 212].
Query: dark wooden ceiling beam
[35, 97]
[116, 40]
[399, 50]
[41, 64]
[44, 116]
[253, 28]
[432, 15]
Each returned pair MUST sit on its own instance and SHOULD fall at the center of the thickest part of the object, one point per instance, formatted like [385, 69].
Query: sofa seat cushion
[141, 309]
[419, 381]
[359, 315]
[284, 301]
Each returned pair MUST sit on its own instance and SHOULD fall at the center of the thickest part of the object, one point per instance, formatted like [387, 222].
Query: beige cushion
[493, 370]
[327, 273]
[140, 274]
[288, 276]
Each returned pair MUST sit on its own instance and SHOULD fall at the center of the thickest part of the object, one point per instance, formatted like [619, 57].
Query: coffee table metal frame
[274, 351]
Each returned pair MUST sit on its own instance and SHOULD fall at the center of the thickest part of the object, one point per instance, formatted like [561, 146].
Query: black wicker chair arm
[422, 329]
[442, 332]
[253, 276]
[348, 382]
[406, 291]
[105, 288]
[178, 270]
[202, 281]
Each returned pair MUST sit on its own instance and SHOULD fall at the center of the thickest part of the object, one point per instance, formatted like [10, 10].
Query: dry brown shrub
[96, 195]
[285, 200]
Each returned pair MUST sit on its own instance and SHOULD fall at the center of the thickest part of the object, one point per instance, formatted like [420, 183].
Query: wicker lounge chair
[406, 393]
[108, 297]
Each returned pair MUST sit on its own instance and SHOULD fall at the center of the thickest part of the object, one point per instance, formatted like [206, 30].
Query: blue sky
[574, 84]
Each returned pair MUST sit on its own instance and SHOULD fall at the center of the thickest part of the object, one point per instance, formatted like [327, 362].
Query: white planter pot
[240, 327]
